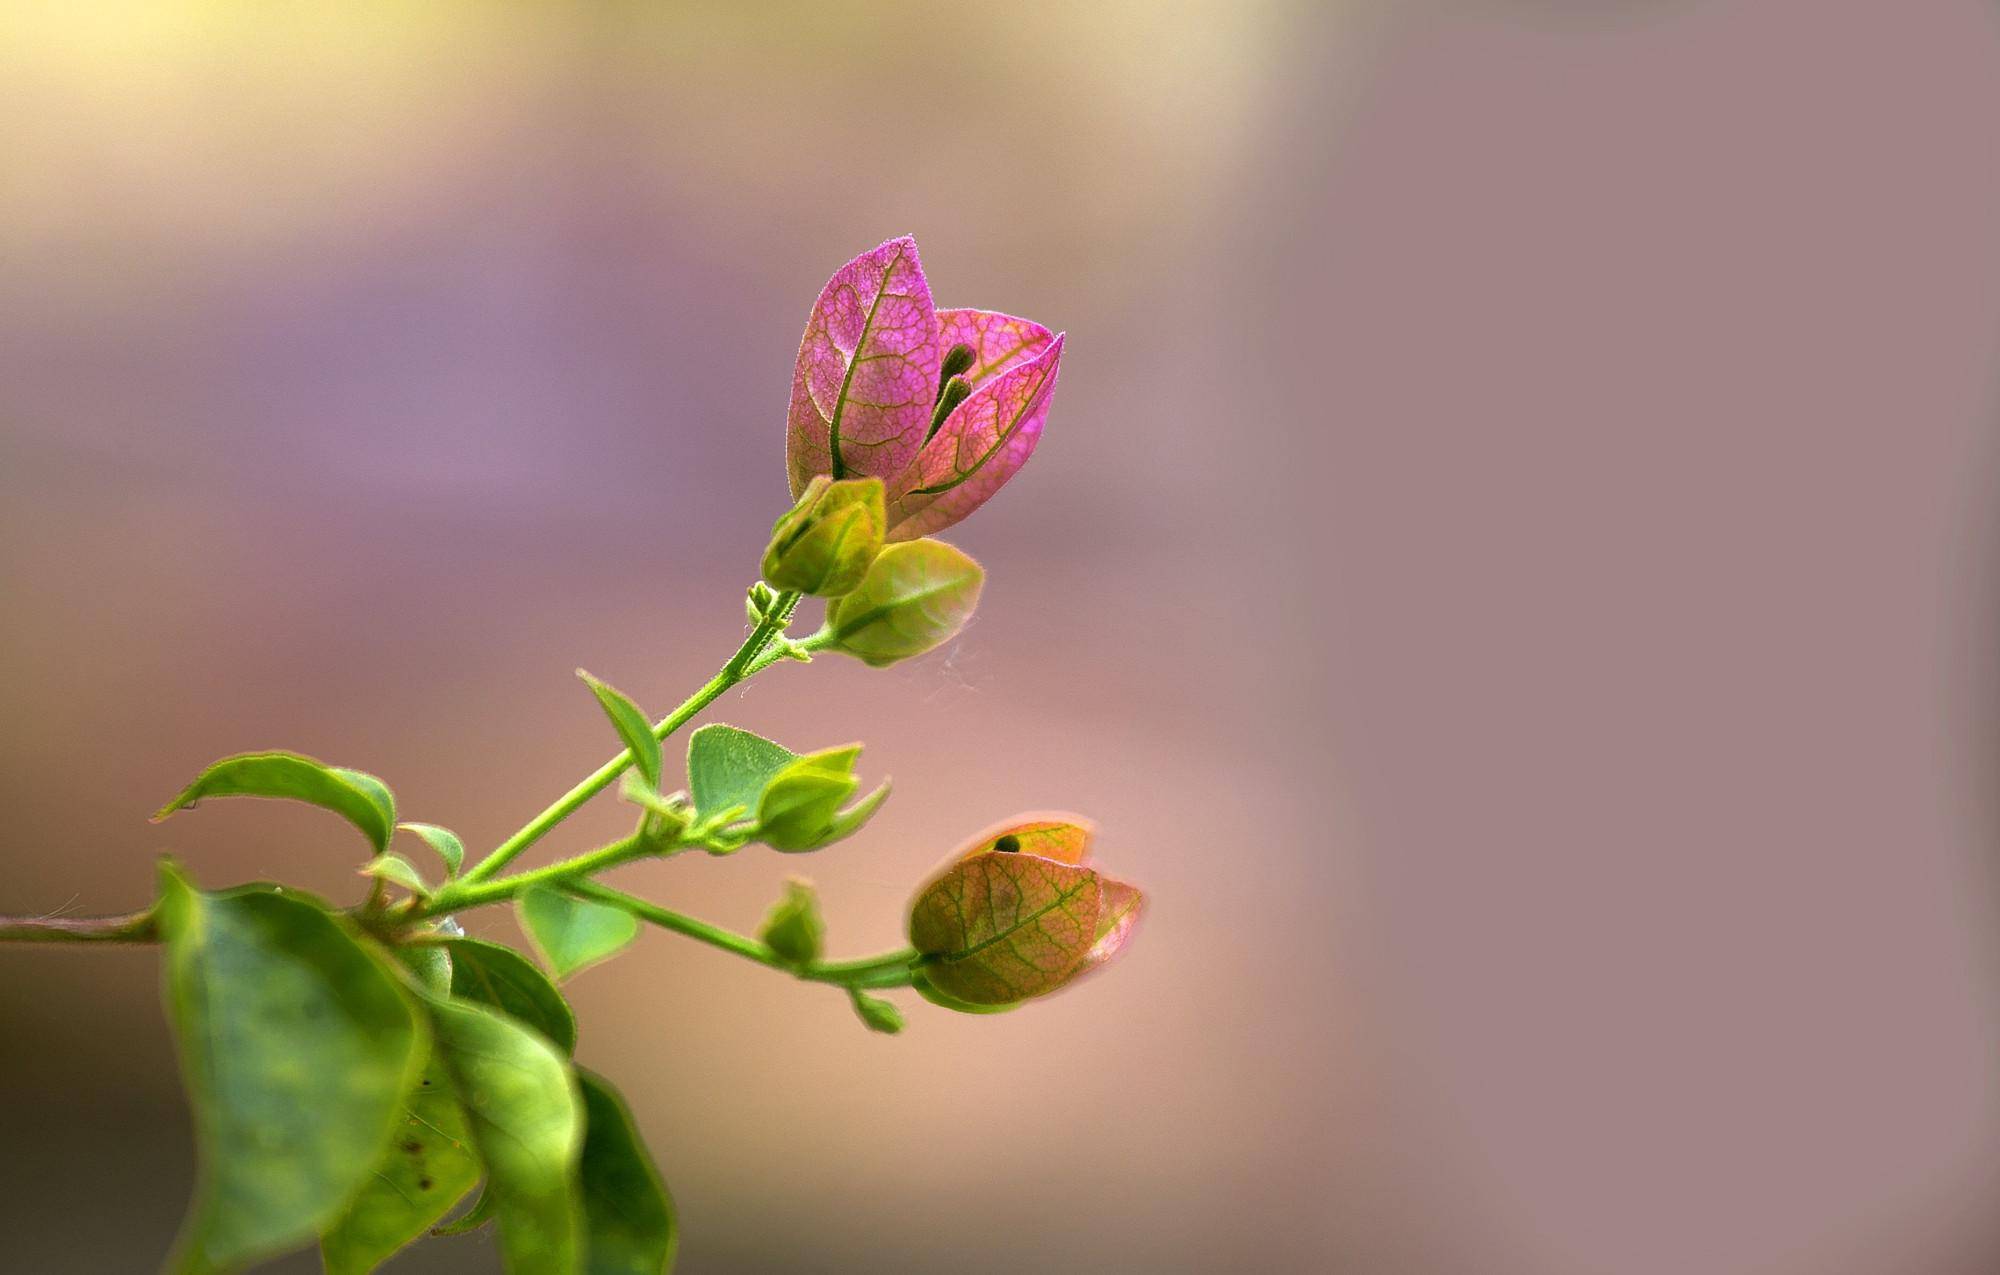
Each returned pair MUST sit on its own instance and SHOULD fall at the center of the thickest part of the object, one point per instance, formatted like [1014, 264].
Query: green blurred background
[1509, 570]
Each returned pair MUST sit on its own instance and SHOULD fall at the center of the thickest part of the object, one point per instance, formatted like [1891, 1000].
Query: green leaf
[508, 981]
[427, 1168]
[728, 767]
[525, 1118]
[793, 928]
[361, 799]
[573, 934]
[443, 840]
[472, 1219]
[916, 597]
[430, 963]
[632, 727]
[1004, 927]
[880, 1015]
[394, 868]
[297, 1046]
[628, 1216]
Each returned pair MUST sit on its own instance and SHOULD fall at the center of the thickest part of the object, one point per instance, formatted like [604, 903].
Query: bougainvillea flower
[1018, 913]
[944, 406]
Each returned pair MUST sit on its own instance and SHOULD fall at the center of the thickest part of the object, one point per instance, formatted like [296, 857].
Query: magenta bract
[867, 392]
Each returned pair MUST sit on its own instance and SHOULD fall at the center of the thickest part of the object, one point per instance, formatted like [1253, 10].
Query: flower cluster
[904, 419]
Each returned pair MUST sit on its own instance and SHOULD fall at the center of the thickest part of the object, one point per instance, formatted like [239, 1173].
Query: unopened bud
[793, 929]
[825, 543]
[916, 597]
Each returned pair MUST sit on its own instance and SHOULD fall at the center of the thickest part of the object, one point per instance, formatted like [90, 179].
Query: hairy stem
[752, 657]
[890, 969]
[134, 927]
[460, 895]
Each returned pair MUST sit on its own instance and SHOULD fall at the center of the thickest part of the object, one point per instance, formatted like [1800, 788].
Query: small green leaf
[526, 1120]
[297, 1045]
[632, 727]
[916, 597]
[508, 981]
[731, 767]
[427, 1168]
[443, 840]
[793, 928]
[361, 799]
[394, 868]
[573, 934]
[629, 1222]
[880, 1015]
[1004, 927]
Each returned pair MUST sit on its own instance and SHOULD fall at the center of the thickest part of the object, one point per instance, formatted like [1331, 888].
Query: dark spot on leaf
[423, 1184]
[414, 1148]
[1009, 844]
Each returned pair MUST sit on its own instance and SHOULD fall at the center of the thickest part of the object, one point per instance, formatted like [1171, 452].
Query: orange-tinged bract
[1019, 914]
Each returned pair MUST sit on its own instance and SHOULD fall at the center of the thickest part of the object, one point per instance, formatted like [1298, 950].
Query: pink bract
[866, 378]
[867, 383]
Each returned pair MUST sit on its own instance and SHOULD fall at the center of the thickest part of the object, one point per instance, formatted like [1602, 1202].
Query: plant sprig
[357, 1070]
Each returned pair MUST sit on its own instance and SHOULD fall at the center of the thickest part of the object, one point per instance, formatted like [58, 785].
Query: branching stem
[757, 653]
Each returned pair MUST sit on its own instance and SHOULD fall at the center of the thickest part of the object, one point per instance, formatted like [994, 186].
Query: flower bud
[880, 1015]
[1017, 914]
[824, 544]
[800, 806]
[793, 929]
[916, 597]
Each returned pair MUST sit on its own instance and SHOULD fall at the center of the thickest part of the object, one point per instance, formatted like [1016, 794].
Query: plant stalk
[750, 658]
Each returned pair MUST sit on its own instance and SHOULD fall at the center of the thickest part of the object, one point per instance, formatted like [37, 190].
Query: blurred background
[1510, 569]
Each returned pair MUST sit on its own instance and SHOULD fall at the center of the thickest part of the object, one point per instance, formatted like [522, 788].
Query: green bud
[800, 808]
[916, 597]
[880, 1015]
[757, 604]
[958, 360]
[824, 544]
[793, 929]
[955, 391]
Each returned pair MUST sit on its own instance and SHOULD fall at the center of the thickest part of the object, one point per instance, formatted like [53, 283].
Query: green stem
[462, 894]
[873, 971]
[135, 927]
[751, 658]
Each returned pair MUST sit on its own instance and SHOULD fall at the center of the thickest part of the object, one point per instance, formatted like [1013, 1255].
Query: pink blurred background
[1511, 569]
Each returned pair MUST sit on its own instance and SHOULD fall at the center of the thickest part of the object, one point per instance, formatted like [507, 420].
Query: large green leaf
[508, 981]
[573, 934]
[632, 727]
[628, 1216]
[427, 1168]
[525, 1118]
[728, 767]
[298, 1046]
[362, 799]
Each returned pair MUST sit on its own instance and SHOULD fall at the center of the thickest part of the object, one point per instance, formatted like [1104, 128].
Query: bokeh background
[1511, 569]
